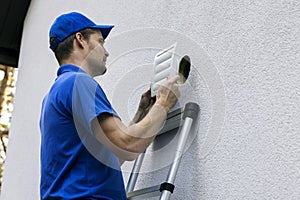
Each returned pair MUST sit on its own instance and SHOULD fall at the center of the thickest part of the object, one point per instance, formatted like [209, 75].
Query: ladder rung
[144, 193]
[178, 111]
[173, 121]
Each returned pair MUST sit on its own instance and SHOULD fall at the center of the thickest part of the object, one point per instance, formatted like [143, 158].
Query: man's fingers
[148, 91]
[174, 79]
[147, 94]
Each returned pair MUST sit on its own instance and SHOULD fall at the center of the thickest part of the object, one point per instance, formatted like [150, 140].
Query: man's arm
[128, 142]
[146, 103]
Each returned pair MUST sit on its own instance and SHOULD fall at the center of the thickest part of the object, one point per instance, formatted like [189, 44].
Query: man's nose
[106, 53]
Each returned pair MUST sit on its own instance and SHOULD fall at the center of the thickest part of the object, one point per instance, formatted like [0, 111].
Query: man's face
[96, 58]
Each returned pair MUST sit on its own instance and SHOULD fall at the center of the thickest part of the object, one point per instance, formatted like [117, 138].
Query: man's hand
[145, 105]
[146, 102]
[168, 93]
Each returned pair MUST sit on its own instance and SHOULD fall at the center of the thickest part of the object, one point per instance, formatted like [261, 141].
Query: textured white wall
[245, 78]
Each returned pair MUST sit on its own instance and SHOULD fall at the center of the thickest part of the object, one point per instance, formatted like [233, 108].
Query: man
[83, 139]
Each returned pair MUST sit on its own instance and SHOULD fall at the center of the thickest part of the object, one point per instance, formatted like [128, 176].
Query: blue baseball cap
[70, 23]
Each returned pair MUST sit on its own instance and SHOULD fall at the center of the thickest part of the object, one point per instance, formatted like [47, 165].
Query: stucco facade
[245, 77]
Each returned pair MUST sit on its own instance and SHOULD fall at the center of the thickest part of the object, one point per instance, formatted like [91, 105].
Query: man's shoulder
[72, 78]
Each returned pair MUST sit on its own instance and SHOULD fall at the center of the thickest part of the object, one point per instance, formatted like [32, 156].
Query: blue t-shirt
[74, 165]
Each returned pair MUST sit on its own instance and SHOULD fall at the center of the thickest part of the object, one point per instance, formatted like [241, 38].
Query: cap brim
[105, 29]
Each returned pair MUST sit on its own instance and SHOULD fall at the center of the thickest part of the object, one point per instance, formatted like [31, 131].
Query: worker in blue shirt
[83, 140]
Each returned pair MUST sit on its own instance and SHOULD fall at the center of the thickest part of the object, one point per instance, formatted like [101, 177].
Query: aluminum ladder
[175, 119]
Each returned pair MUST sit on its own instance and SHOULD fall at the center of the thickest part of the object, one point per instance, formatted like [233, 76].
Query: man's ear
[79, 41]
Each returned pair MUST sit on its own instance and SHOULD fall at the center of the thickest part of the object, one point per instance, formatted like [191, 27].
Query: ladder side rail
[191, 112]
[135, 172]
[178, 155]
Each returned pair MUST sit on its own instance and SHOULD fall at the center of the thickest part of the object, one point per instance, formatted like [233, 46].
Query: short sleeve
[88, 102]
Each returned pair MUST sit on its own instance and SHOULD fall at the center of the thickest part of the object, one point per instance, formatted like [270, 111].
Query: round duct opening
[184, 69]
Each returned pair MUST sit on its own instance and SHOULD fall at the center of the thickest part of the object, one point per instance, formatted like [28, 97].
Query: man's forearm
[142, 133]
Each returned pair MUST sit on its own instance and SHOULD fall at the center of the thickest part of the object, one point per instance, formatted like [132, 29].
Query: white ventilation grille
[164, 66]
